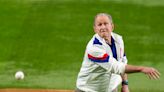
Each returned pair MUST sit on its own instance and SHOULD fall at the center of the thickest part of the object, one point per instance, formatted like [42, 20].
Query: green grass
[47, 38]
[141, 2]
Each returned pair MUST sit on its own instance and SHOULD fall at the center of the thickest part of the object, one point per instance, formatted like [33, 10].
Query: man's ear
[94, 28]
[112, 26]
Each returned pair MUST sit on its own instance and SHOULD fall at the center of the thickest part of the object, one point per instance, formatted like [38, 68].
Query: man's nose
[103, 26]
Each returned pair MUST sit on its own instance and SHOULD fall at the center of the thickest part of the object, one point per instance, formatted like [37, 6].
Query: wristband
[125, 82]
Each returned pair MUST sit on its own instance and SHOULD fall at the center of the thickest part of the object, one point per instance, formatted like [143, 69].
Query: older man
[105, 62]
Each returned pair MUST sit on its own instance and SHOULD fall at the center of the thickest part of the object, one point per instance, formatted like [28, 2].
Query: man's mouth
[102, 30]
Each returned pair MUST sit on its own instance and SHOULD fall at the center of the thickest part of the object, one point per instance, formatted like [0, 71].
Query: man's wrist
[125, 82]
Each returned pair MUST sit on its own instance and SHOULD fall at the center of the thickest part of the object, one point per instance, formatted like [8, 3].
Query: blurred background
[46, 39]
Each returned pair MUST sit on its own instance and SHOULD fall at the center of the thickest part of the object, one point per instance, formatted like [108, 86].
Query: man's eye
[99, 24]
[105, 23]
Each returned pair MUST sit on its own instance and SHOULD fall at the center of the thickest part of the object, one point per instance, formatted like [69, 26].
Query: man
[104, 57]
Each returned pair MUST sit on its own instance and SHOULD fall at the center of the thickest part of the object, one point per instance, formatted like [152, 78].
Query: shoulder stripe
[102, 59]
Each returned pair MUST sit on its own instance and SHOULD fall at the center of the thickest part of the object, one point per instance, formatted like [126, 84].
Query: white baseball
[19, 75]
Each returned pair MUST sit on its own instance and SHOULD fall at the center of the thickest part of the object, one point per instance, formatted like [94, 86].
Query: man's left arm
[125, 87]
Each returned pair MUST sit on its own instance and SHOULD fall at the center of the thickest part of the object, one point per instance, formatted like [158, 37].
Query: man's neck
[108, 40]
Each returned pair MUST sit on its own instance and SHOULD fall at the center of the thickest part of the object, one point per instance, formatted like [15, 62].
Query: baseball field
[46, 40]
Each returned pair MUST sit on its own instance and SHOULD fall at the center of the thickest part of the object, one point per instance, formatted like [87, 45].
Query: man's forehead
[102, 18]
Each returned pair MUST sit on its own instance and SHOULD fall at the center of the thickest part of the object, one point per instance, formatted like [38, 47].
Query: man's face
[103, 26]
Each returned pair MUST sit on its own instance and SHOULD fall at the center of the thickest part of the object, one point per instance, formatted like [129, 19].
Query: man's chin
[104, 36]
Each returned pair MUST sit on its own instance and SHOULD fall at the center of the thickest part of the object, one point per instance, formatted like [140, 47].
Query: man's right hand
[151, 72]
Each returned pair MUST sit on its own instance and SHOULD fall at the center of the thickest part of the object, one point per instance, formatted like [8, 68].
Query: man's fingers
[157, 72]
[149, 76]
[154, 74]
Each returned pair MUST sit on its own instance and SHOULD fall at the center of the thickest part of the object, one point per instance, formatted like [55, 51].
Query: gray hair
[103, 14]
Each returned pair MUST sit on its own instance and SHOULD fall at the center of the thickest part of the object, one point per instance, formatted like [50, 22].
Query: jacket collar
[102, 40]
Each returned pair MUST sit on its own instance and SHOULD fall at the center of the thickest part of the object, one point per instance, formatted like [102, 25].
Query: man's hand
[125, 88]
[151, 72]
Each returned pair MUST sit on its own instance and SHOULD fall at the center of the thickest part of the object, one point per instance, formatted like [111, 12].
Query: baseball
[19, 75]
